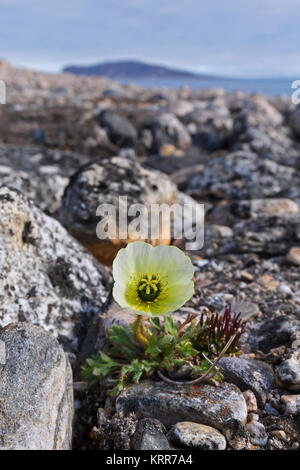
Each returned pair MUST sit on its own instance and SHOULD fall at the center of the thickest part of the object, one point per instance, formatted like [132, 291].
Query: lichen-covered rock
[46, 277]
[104, 183]
[36, 391]
[41, 174]
[204, 404]
[244, 175]
[150, 434]
[249, 375]
[197, 436]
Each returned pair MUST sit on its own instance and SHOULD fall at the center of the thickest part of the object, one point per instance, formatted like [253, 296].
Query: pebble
[292, 404]
[293, 255]
[286, 290]
[258, 435]
[197, 436]
[288, 372]
[250, 401]
[279, 434]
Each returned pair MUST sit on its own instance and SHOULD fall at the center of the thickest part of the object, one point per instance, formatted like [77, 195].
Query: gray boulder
[104, 183]
[46, 277]
[204, 404]
[36, 391]
[294, 121]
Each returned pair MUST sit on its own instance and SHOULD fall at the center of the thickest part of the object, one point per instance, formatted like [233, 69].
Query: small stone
[247, 310]
[47, 277]
[288, 372]
[270, 410]
[250, 401]
[245, 276]
[120, 129]
[279, 434]
[253, 375]
[150, 434]
[80, 386]
[204, 404]
[268, 282]
[258, 435]
[221, 231]
[285, 290]
[167, 150]
[293, 255]
[197, 436]
[252, 417]
[292, 404]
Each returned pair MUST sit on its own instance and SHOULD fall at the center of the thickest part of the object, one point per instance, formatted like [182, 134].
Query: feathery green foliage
[172, 346]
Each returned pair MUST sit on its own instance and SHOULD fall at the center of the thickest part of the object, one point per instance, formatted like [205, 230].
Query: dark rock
[105, 183]
[272, 333]
[294, 121]
[38, 136]
[150, 434]
[120, 129]
[208, 140]
[205, 404]
[249, 375]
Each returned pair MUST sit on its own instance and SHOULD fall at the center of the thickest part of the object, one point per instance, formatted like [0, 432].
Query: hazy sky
[228, 37]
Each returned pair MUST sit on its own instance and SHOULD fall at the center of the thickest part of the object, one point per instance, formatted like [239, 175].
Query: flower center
[148, 288]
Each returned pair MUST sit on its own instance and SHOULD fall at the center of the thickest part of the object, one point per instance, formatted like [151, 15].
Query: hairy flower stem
[139, 331]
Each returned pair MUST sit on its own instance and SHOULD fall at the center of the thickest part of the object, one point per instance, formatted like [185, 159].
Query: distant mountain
[129, 69]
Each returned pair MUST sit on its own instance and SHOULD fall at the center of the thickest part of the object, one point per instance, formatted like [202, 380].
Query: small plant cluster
[197, 344]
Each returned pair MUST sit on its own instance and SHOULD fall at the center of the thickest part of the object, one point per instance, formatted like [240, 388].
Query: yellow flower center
[145, 290]
[148, 288]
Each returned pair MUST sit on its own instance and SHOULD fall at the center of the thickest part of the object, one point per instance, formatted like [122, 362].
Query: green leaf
[171, 326]
[155, 322]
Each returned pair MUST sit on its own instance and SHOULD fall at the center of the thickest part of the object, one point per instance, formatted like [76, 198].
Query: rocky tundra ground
[68, 144]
